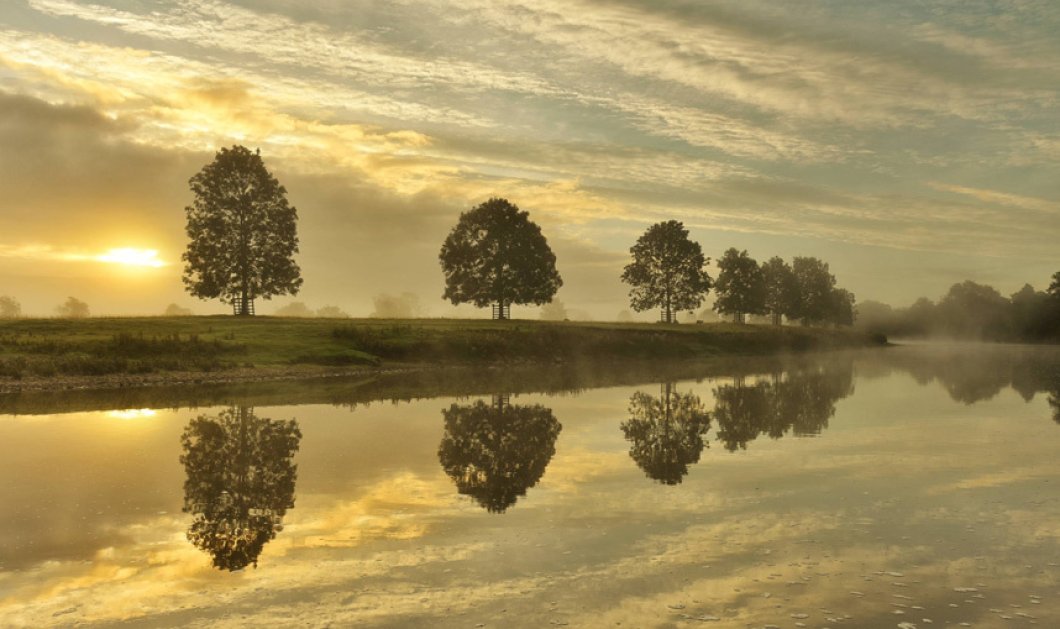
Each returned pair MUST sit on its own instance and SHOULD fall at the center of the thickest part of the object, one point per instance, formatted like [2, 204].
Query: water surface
[849, 489]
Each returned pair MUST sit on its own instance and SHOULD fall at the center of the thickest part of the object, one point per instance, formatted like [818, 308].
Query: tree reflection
[240, 482]
[743, 412]
[666, 433]
[495, 452]
[1054, 403]
[973, 375]
[800, 403]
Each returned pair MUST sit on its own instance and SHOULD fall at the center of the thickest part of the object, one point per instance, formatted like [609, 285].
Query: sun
[129, 256]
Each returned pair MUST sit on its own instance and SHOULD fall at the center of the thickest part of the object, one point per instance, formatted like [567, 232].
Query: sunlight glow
[132, 257]
[132, 413]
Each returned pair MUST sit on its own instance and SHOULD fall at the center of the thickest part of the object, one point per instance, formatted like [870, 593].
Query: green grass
[136, 345]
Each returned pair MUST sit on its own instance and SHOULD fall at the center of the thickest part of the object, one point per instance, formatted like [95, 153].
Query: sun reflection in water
[132, 413]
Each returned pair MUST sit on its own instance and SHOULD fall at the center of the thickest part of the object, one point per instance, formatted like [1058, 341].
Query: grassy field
[48, 348]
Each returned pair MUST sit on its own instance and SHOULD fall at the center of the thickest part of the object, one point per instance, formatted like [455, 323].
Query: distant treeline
[972, 311]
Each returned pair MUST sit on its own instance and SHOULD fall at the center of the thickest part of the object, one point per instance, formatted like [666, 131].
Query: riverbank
[63, 354]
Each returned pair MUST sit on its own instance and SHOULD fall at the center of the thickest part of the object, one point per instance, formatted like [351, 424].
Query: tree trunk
[667, 395]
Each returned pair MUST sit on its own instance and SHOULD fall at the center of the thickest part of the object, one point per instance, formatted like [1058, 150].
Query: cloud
[72, 178]
[823, 125]
[1006, 199]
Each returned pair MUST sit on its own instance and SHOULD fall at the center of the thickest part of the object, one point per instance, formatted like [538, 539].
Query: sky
[911, 145]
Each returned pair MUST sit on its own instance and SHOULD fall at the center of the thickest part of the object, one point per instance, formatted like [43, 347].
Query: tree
[814, 284]
[242, 232]
[1036, 315]
[296, 309]
[876, 316]
[332, 312]
[496, 255]
[173, 310]
[1026, 307]
[666, 433]
[72, 308]
[667, 271]
[1054, 286]
[240, 483]
[971, 310]
[494, 453]
[780, 289]
[10, 308]
[842, 307]
[554, 311]
[741, 287]
[922, 317]
[403, 306]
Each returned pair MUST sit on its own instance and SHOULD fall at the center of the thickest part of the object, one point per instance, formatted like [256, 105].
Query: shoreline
[240, 375]
[124, 353]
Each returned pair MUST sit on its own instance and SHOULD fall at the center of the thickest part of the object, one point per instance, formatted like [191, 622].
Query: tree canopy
[814, 284]
[72, 308]
[781, 292]
[667, 271]
[10, 308]
[741, 287]
[496, 255]
[974, 310]
[1054, 286]
[242, 232]
[176, 310]
[842, 307]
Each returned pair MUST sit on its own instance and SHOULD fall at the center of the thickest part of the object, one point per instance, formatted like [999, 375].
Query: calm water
[905, 485]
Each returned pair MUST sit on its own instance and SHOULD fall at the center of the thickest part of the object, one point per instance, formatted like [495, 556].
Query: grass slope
[43, 348]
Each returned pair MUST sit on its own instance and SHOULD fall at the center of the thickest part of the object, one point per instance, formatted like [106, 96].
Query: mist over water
[862, 488]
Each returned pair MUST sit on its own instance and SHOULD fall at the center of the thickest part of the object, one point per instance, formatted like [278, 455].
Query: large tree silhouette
[496, 255]
[494, 453]
[240, 483]
[741, 287]
[815, 284]
[781, 291]
[666, 433]
[975, 311]
[1054, 286]
[242, 233]
[842, 307]
[667, 271]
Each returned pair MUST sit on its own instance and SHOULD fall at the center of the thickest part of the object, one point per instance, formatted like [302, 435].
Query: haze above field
[911, 146]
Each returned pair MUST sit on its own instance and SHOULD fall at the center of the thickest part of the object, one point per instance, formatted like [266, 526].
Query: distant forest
[971, 311]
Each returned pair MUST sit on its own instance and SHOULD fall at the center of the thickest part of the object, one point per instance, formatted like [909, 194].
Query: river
[910, 486]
